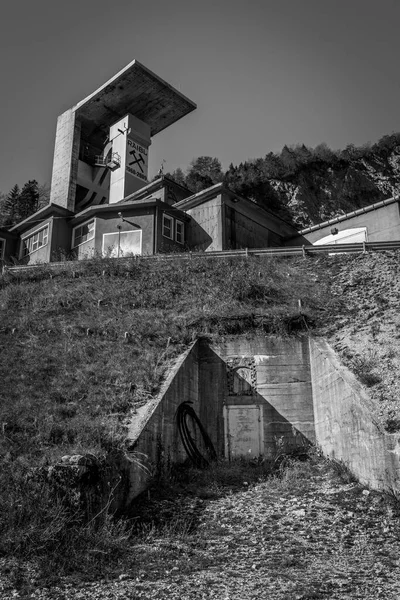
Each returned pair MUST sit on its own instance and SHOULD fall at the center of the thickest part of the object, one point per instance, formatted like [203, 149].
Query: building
[374, 223]
[102, 204]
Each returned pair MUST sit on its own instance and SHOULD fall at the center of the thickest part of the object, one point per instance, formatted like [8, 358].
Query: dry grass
[83, 351]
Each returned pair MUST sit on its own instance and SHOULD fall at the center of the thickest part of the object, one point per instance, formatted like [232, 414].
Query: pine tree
[28, 199]
[11, 206]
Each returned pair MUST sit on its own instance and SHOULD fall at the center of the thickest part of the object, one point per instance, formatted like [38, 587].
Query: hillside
[85, 346]
[311, 185]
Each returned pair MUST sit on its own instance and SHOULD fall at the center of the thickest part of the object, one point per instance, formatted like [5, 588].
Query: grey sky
[263, 73]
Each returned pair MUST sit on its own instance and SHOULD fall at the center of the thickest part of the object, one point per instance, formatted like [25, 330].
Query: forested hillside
[307, 185]
[303, 185]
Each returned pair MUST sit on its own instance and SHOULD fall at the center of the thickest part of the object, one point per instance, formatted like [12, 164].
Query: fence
[361, 247]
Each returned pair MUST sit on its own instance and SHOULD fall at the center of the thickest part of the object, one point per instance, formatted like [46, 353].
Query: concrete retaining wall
[306, 395]
[344, 424]
[153, 434]
[268, 371]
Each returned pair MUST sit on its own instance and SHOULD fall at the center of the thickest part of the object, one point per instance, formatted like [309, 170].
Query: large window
[122, 243]
[173, 229]
[83, 233]
[36, 240]
[2, 247]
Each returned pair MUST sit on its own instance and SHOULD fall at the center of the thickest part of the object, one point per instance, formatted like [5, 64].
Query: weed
[363, 367]
[343, 471]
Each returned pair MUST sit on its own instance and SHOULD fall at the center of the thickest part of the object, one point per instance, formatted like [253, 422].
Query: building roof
[153, 186]
[220, 188]
[138, 91]
[50, 210]
[354, 213]
[7, 234]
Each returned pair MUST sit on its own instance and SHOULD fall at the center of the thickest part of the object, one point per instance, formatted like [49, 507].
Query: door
[244, 432]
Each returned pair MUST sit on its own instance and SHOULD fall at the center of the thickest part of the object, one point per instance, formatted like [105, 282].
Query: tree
[3, 210]
[203, 172]
[178, 176]
[11, 207]
[28, 201]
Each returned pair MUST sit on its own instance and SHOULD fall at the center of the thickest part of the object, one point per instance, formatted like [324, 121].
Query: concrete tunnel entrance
[256, 394]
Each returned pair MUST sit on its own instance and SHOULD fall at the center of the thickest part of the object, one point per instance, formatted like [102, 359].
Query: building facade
[102, 204]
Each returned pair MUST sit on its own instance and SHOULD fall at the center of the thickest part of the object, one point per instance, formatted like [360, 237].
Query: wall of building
[11, 246]
[60, 245]
[344, 423]
[206, 227]
[164, 244]
[247, 225]
[108, 223]
[65, 161]
[383, 224]
[93, 185]
[42, 254]
[278, 378]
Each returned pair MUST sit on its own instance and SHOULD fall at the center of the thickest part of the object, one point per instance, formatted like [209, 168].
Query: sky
[263, 73]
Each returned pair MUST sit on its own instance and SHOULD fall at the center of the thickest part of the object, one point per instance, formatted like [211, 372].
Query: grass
[86, 348]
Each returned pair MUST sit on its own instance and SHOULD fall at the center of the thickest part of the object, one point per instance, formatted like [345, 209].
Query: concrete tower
[102, 143]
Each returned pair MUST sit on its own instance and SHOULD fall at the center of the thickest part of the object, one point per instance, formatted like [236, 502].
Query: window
[35, 241]
[122, 243]
[2, 247]
[168, 227]
[179, 232]
[83, 233]
[173, 229]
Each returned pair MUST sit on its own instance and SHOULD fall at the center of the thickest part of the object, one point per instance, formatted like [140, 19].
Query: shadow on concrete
[280, 435]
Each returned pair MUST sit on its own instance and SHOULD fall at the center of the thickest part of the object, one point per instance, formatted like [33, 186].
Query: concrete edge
[138, 420]
[357, 387]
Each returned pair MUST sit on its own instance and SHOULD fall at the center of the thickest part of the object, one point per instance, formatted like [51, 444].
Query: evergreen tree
[28, 200]
[203, 172]
[11, 207]
[178, 176]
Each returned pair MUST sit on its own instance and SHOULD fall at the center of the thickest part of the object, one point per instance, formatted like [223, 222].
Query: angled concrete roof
[138, 91]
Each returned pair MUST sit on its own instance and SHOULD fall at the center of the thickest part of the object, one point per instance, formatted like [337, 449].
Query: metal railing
[112, 161]
[361, 247]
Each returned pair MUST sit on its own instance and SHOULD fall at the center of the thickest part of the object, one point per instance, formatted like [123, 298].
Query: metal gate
[244, 431]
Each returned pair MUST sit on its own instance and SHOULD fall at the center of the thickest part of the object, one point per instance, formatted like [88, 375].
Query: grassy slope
[81, 352]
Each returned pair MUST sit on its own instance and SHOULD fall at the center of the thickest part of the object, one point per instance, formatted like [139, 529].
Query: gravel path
[304, 536]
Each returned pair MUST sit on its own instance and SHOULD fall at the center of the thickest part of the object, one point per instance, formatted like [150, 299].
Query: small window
[168, 227]
[179, 232]
[35, 241]
[2, 247]
[83, 233]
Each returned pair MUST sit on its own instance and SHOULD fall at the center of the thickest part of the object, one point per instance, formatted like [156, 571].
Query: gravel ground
[306, 535]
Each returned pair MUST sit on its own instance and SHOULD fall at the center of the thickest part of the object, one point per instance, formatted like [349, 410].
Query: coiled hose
[183, 413]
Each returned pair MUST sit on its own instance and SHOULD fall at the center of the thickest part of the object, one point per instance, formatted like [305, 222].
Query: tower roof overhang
[135, 90]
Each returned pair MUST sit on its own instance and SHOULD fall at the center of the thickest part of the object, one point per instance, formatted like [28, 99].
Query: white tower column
[131, 140]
